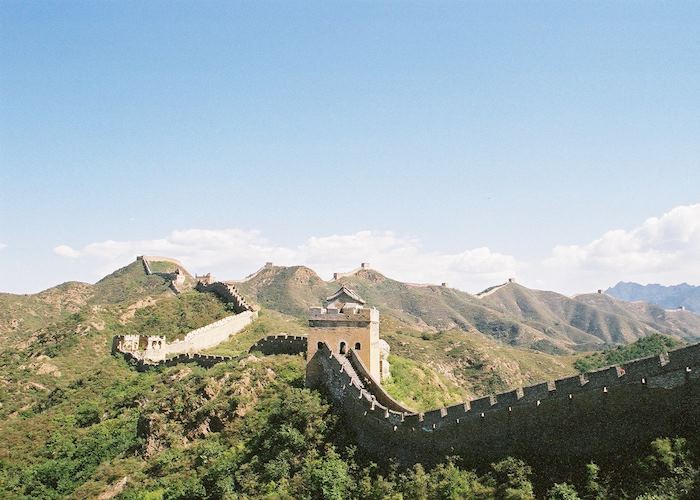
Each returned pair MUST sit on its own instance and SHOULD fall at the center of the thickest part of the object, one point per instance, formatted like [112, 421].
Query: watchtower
[345, 323]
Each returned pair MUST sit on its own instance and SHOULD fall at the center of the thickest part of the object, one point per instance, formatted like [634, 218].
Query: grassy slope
[174, 317]
[458, 365]
[289, 290]
[22, 313]
[43, 357]
[682, 324]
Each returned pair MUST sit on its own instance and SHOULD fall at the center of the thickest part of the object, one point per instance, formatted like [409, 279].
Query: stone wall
[154, 348]
[228, 293]
[597, 417]
[204, 360]
[211, 335]
[280, 344]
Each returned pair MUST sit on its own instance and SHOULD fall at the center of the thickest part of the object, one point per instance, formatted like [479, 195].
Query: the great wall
[155, 349]
[596, 416]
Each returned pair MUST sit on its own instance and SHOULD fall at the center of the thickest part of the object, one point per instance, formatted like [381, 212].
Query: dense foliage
[646, 346]
[250, 430]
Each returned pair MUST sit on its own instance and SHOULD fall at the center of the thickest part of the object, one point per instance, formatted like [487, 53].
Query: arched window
[357, 346]
[343, 348]
[319, 345]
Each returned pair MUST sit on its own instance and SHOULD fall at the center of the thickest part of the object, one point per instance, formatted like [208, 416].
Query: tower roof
[349, 292]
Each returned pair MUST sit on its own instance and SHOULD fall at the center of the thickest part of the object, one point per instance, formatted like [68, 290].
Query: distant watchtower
[345, 323]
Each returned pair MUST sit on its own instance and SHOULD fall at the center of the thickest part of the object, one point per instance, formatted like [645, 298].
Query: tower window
[319, 345]
[343, 347]
[357, 346]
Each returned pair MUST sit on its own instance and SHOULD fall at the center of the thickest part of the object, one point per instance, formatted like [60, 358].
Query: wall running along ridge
[200, 339]
[228, 293]
[176, 280]
[601, 415]
[272, 344]
[211, 335]
[280, 344]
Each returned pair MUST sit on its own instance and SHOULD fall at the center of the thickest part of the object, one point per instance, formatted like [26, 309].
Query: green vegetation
[249, 430]
[419, 387]
[78, 422]
[162, 266]
[458, 365]
[178, 316]
[646, 346]
[269, 322]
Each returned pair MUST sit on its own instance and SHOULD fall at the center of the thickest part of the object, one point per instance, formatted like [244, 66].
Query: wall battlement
[589, 417]
[280, 344]
[599, 414]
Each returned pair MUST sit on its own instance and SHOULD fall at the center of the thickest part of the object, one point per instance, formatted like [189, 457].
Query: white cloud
[66, 251]
[663, 249]
[2, 245]
[233, 253]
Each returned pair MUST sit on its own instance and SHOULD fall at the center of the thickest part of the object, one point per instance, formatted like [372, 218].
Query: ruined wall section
[177, 280]
[612, 411]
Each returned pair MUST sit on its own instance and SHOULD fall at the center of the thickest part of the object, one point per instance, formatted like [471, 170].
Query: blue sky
[466, 141]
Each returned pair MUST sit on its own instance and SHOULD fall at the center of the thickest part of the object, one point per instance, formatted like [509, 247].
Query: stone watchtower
[345, 323]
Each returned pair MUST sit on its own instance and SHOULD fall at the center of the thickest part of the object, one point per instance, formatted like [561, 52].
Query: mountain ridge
[678, 296]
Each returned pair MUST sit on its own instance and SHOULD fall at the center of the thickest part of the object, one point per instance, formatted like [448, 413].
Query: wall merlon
[570, 385]
[432, 418]
[604, 378]
[509, 398]
[458, 411]
[687, 356]
[483, 404]
[646, 367]
[536, 392]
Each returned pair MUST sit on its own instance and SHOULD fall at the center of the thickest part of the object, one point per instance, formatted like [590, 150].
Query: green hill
[545, 321]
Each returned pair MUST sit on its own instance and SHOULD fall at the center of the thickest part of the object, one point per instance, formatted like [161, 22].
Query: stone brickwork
[344, 325]
[280, 344]
[604, 413]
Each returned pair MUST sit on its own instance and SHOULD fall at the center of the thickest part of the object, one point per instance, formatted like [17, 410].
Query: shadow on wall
[612, 411]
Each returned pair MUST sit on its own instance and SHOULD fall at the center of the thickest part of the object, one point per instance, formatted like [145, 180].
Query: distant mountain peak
[668, 297]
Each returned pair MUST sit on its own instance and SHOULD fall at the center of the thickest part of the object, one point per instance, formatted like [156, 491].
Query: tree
[593, 489]
[512, 478]
[562, 491]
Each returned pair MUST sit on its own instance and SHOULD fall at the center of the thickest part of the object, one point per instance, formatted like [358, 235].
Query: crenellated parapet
[203, 360]
[597, 414]
[281, 344]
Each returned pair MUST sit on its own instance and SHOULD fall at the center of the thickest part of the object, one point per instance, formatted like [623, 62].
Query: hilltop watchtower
[345, 323]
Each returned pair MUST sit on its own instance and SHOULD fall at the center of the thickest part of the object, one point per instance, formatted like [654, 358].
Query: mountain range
[514, 314]
[669, 297]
